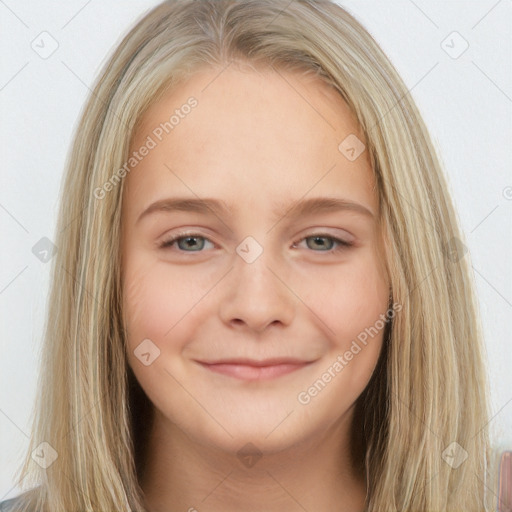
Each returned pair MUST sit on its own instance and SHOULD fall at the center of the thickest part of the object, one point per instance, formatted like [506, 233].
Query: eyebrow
[220, 208]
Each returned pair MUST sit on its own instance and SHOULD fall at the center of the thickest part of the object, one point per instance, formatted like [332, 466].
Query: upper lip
[258, 362]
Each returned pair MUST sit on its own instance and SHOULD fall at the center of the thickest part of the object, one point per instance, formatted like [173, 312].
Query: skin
[255, 139]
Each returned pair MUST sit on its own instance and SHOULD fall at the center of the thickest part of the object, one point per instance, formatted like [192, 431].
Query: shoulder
[9, 505]
[14, 504]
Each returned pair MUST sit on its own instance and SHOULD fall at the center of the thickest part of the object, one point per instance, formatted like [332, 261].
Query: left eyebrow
[322, 205]
[300, 208]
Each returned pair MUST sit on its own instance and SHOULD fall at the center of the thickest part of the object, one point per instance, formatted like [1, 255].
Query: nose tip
[254, 296]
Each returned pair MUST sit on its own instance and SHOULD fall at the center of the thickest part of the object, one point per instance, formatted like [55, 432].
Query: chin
[264, 436]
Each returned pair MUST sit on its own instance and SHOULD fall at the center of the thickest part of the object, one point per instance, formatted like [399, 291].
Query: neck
[188, 476]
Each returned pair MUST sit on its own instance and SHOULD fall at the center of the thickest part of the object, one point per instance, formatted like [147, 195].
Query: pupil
[189, 241]
[320, 240]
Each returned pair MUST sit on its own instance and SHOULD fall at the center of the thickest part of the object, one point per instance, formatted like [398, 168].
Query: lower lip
[248, 372]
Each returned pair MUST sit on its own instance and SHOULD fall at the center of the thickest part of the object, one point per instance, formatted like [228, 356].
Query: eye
[186, 241]
[193, 242]
[318, 241]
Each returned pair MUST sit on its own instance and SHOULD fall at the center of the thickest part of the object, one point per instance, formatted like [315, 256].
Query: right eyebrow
[185, 204]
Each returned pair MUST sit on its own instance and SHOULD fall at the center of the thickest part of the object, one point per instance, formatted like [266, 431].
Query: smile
[254, 370]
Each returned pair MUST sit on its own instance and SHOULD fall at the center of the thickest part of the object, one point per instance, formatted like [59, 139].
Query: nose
[256, 295]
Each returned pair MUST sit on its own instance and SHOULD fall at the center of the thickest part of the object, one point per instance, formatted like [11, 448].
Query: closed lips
[257, 362]
[251, 369]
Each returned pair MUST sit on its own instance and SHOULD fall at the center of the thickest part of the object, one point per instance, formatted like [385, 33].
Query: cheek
[351, 302]
[159, 299]
[144, 300]
[155, 300]
[347, 298]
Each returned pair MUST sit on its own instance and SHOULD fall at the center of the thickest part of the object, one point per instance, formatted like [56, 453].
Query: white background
[466, 103]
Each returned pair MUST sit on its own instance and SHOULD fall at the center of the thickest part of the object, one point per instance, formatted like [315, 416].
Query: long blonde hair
[427, 402]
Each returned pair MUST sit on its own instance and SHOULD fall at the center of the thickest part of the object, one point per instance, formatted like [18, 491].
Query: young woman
[261, 299]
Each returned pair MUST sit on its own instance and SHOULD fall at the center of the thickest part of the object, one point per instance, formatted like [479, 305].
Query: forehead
[251, 135]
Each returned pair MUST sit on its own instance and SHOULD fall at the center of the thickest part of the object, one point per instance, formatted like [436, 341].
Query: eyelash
[342, 244]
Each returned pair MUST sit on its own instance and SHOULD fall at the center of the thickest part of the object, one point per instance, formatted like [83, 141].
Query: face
[246, 293]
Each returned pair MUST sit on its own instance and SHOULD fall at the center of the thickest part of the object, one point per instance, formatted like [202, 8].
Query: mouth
[247, 369]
